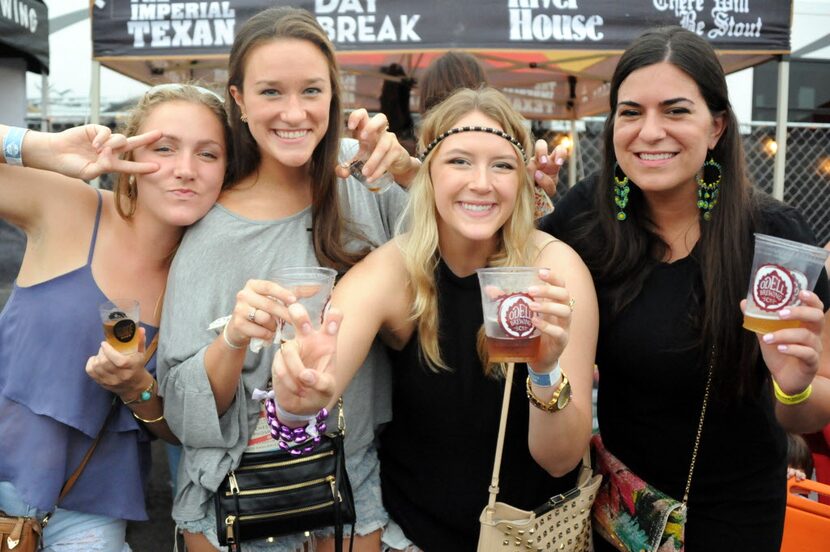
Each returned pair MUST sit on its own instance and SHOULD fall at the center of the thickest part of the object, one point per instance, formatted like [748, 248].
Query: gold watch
[560, 399]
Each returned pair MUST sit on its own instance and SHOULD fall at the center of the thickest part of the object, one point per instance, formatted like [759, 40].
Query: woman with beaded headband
[59, 380]
[470, 207]
[671, 266]
[285, 207]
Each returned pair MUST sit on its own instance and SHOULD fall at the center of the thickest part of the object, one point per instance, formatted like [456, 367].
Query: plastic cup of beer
[312, 286]
[505, 301]
[780, 270]
[120, 319]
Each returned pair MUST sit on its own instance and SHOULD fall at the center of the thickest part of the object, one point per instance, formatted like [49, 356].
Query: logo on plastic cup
[515, 314]
[774, 287]
[124, 329]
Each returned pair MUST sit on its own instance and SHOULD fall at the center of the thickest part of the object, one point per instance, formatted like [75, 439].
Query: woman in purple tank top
[58, 378]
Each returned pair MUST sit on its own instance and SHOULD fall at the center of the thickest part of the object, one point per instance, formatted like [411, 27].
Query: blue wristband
[13, 145]
[548, 379]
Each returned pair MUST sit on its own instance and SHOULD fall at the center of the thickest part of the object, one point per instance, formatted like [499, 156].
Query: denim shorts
[69, 531]
[363, 468]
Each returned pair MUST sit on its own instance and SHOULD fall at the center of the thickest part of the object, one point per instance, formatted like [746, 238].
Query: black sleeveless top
[437, 453]
[652, 380]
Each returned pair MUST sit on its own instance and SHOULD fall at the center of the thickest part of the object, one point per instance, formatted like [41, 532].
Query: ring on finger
[252, 314]
[571, 303]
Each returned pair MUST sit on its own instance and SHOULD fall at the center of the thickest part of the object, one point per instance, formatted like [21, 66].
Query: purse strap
[696, 448]
[505, 407]
[73, 478]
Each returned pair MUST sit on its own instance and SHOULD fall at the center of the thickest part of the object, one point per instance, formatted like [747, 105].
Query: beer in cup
[120, 318]
[505, 301]
[780, 270]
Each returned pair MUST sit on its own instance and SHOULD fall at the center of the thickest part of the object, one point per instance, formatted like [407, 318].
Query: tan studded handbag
[561, 523]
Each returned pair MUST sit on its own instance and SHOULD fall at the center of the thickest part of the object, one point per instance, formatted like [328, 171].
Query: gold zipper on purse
[293, 461]
[236, 490]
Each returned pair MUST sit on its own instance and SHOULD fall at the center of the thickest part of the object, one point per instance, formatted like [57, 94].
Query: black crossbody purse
[276, 493]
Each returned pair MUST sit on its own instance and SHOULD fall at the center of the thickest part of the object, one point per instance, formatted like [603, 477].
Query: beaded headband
[489, 130]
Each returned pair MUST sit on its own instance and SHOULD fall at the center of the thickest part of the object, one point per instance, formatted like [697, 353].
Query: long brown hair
[330, 229]
[621, 255]
[447, 74]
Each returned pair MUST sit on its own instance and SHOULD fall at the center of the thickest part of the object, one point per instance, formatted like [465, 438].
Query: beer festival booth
[552, 58]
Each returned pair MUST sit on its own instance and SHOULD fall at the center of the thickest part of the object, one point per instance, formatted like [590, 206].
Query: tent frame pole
[781, 116]
[95, 103]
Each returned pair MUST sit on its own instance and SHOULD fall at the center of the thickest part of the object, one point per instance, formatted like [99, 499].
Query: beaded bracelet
[298, 440]
[791, 400]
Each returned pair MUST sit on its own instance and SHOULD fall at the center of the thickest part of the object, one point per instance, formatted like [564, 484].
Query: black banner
[24, 31]
[170, 28]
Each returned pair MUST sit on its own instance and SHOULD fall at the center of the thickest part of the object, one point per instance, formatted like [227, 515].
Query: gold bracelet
[145, 395]
[154, 420]
[791, 400]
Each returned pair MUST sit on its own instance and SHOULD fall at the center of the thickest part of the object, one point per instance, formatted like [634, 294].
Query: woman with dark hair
[447, 74]
[667, 232]
[285, 207]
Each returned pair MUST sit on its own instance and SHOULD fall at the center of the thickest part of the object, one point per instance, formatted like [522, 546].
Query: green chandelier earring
[708, 187]
[621, 191]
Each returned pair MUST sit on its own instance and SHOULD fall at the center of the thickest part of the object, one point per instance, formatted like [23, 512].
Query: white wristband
[548, 379]
[228, 342]
[290, 418]
[13, 145]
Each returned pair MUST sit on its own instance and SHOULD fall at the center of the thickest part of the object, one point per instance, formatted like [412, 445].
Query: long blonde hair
[419, 244]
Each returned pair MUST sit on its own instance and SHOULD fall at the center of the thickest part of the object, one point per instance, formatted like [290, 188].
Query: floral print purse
[633, 515]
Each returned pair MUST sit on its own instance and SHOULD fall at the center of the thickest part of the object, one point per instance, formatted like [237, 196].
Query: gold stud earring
[243, 118]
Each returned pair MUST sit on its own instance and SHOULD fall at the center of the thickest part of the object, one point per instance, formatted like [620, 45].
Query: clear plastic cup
[312, 286]
[505, 301]
[120, 319]
[351, 158]
[780, 270]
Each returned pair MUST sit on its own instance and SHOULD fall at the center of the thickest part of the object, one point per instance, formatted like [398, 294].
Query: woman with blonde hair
[86, 246]
[470, 207]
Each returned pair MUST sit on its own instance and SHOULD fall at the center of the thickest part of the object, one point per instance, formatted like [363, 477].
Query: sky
[71, 52]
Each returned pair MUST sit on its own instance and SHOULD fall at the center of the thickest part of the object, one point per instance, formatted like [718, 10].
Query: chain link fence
[807, 172]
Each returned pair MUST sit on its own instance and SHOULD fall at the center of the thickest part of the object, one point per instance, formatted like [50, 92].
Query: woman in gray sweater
[286, 207]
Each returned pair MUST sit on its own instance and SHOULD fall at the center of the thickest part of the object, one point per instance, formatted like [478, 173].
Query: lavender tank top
[51, 410]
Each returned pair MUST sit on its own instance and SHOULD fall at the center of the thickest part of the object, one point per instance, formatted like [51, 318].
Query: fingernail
[538, 175]
[768, 338]
[782, 348]
[560, 161]
[533, 290]
[805, 294]
[364, 135]
[544, 272]
[308, 377]
[544, 159]
[306, 328]
[784, 313]
[535, 306]
[332, 328]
